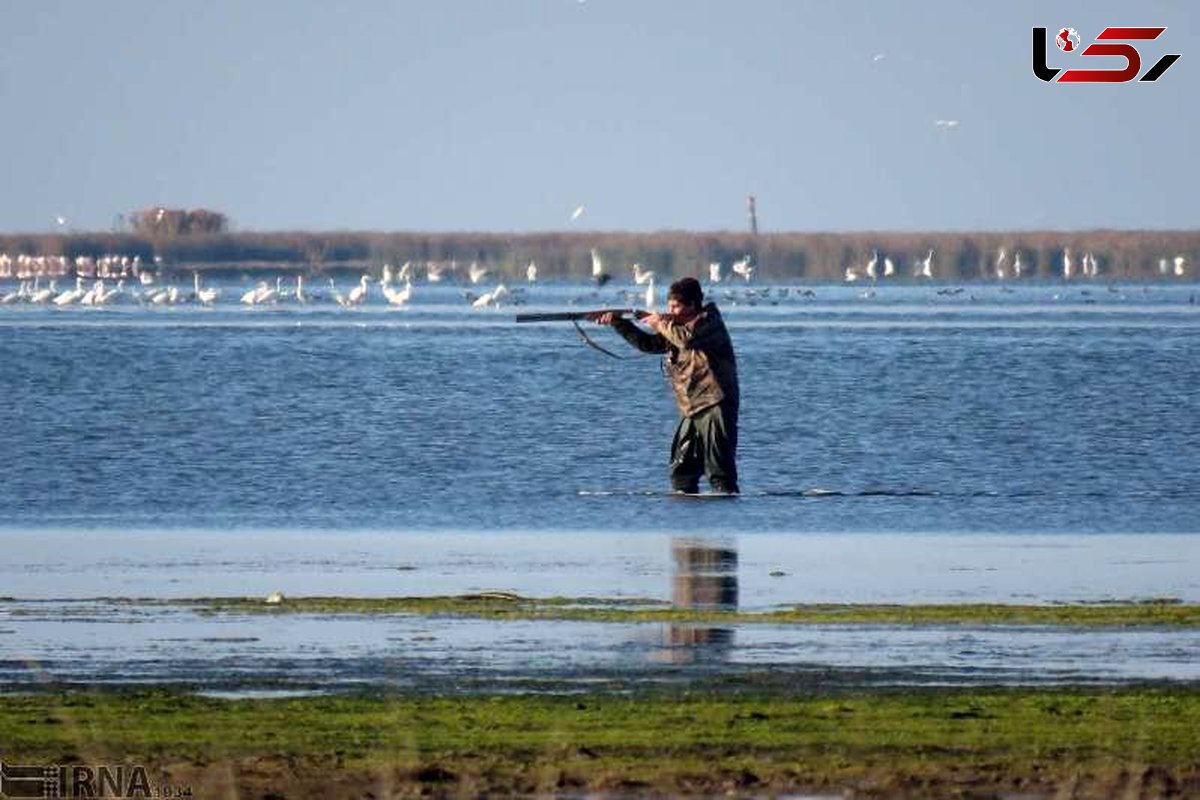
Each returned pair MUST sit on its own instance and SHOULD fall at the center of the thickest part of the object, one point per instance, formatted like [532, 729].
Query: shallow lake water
[900, 444]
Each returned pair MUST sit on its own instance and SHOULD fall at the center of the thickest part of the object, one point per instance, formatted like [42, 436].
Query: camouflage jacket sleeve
[699, 334]
[646, 342]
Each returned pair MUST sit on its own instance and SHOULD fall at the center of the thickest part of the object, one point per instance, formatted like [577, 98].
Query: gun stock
[570, 316]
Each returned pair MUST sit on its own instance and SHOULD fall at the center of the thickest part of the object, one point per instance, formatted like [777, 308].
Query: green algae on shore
[502, 606]
[1131, 741]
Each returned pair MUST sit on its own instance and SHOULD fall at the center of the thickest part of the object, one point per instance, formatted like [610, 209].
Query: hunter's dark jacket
[699, 359]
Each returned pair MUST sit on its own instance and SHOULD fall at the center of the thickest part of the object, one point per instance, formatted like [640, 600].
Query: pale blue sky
[504, 115]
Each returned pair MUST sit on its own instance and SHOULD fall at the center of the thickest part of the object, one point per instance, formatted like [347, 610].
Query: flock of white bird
[111, 279]
[1002, 269]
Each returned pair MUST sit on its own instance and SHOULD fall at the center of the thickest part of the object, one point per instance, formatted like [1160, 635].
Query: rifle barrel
[567, 316]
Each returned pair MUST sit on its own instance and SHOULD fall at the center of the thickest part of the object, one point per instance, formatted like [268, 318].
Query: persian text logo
[1110, 42]
[76, 781]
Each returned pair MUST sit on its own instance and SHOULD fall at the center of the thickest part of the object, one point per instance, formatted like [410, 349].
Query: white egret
[204, 296]
[359, 294]
[71, 295]
[476, 273]
[491, 298]
[250, 296]
[743, 268]
[338, 297]
[40, 296]
[925, 266]
[398, 297]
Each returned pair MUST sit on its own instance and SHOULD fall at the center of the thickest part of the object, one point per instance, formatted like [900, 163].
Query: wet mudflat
[94, 608]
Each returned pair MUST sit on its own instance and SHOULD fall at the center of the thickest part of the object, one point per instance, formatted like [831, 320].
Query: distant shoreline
[1170, 256]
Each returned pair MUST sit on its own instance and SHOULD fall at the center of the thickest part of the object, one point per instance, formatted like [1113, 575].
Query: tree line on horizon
[192, 240]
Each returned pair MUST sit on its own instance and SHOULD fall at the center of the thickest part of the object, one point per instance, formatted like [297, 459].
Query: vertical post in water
[752, 214]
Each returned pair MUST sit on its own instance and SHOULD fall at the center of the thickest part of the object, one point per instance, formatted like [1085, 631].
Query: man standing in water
[702, 370]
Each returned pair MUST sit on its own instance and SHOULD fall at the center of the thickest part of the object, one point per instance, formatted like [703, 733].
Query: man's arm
[693, 334]
[646, 342]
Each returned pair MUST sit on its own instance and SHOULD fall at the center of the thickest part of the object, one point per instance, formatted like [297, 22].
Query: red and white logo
[1067, 40]
[1113, 42]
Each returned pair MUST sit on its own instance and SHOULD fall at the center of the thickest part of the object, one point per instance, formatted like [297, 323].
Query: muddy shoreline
[753, 736]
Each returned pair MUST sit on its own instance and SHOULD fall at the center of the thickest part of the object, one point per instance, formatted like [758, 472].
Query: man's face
[680, 310]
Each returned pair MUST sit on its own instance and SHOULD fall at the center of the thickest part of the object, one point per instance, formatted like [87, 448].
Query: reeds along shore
[883, 256]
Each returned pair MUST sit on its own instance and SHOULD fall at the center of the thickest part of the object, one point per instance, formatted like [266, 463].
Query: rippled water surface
[898, 445]
[1047, 408]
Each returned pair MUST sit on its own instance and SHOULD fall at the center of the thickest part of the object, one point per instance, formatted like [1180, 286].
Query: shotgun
[573, 316]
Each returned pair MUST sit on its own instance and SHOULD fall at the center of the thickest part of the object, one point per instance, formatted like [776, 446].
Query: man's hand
[603, 317]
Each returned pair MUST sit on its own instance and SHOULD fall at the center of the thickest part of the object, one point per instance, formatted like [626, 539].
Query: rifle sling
[587, 339]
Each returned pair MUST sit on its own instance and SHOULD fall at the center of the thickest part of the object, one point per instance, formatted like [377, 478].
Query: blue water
[1051, 408]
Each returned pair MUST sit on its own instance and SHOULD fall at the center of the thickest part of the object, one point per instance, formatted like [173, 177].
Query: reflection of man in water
[706, 579]
[702, 369]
